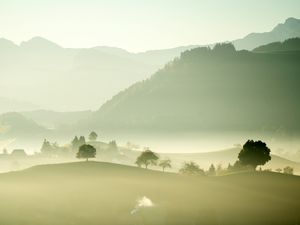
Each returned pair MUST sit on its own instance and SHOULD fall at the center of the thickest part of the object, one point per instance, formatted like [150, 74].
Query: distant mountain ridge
[292, 44]
[289, 29]
[210, 89]
[12, 105]
[42, 65]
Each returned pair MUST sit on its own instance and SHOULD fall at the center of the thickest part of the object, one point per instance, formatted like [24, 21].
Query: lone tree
[86, 151]
[93, 136]
[166, 163]
[254, 153]
[147, 158]
[191, 168]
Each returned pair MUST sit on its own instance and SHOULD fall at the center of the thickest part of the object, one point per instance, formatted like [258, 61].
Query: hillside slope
[292, 44]
[224, 157]
[89, 193]
[14, 125]
[210, 90]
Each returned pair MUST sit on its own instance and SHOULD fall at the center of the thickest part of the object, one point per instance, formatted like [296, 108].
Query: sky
[139, 25]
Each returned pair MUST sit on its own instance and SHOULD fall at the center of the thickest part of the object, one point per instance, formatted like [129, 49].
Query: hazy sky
[139, 25]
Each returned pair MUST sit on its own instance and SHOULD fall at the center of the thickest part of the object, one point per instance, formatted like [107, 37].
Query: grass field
[88, 193]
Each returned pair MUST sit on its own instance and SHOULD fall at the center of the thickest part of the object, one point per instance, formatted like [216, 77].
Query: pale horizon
[168, 24]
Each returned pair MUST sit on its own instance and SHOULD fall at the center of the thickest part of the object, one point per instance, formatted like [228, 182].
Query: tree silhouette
[166, 163]
[212, 170]
[46, 147]
[93, 136]
[147, 158]
[81, 140]
[288, 170]
[191, 168]
[75, 143]
[254, 153]
[86, 151]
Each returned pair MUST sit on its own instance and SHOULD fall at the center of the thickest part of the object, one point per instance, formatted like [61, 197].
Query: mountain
[50, 70]
[52, 77]
[15, 125]
[57, 74]
[292, 44]
[6, 45]
[55, 120]
[39, 44]
[289, 29]
[12, 105]
[217, 89]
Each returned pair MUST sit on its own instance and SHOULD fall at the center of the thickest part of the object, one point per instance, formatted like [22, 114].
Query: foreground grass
[103, 193]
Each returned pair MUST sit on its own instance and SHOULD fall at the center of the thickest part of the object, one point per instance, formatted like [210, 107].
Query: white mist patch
[143, 202]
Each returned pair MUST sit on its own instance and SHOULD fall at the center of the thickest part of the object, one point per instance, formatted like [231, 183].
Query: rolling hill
[93, 193]
[224, 157]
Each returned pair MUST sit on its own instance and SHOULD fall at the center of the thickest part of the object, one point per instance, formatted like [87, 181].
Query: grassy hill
[224, 157]
[103, 193]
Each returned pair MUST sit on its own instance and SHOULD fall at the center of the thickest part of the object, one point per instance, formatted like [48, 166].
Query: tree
[212, 170]
[81, 141]
[229, 167]
[46, 147]
[166, 163]
[86, 151]
[288, 170]
[191, 168]
[254, 153]
[4, 151]
[112, 146]
[75, 143]
[93, 136]
[278, 170]
[147, 158]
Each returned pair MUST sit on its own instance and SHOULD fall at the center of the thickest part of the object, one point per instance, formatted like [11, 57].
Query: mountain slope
[11, 105]
[289, 29]
[43, 65]
[218, 90]
[16, 125]
[292, 44]
[53, 119]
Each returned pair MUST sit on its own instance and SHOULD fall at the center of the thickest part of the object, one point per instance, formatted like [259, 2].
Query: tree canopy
[166, 163]
[86, 151]
[147, 158]
[191, 168]
[93, 136]
[254, 153]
